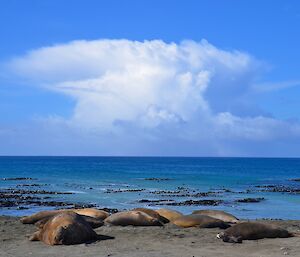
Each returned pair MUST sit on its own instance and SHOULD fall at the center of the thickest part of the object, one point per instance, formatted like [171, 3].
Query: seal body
[94, 213]
[169, 214]
[91, 212]
[221, 215]
[93, 222]
[39, 216]
[153, 214]
[65, 228]
[252, 231]
[134, 218]
[201, 221]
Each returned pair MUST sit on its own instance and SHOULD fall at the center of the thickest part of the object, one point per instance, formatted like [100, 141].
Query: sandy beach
[147, 241]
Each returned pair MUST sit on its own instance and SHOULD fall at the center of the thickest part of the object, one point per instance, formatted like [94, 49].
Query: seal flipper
[295, 234]
[35, 236]
[234, 239]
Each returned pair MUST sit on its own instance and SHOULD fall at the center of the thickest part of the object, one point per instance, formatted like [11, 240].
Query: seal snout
[220, 235]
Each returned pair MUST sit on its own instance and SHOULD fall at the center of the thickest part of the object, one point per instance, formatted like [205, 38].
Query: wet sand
[147, 241]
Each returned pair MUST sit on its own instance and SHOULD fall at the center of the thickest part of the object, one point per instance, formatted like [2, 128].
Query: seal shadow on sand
[100, 238]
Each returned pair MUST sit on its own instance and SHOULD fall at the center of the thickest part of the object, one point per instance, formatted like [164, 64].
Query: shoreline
[148, 241]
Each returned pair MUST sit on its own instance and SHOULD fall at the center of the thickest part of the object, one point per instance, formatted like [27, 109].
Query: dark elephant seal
[65, 228]
[169, 214]
[201, 221]
[97, 214]
[252, 231]
[153, 214]
[134, 218]
[221, 215]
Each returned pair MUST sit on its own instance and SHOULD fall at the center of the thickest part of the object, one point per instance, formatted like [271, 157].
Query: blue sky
[265, 31]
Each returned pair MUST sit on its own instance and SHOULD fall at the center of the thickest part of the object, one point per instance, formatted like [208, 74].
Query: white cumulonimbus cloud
[156, 98]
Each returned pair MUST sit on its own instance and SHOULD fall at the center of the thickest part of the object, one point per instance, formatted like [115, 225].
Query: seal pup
[65, 228]
[201, 221]
[253, 231]
[152, 213]
[221, 215]
[134, 218]
[98, 214]
[169, 214]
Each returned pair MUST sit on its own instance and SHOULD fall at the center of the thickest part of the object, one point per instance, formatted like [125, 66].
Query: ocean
[159, 182]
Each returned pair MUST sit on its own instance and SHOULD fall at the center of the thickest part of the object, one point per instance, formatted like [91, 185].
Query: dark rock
[110, 210]
[32, 185]
[7, 203]
[33, 192]
[182, 194]
[22, 208]
[250, 200]
[157, 179]
[295, 179]
[21, 178]
[193, 202]
[108, 191]
[279, 189]
[154, 201]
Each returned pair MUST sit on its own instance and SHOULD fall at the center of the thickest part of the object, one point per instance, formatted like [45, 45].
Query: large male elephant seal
[97, 214]
[134, 218]
[252, 231]
[65, 228]
[221, 215]
[201, 221]
[169, 214]
[153, 214]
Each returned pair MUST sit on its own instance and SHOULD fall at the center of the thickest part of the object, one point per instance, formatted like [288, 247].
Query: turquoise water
[89, 178]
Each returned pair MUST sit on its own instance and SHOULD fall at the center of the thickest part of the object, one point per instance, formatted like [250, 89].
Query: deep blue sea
[89, 178]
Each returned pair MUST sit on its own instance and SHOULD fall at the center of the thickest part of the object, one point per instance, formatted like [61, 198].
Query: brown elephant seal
[169, 214]
[39, 216]
[97, 214]
[134, 218]
[252, 231]
[201, 221]
[92, 212]
[93, 222]
[153, 214]
[221, 215]
[65, 228]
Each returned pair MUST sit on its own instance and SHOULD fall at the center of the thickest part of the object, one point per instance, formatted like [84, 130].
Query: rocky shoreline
[27, 195]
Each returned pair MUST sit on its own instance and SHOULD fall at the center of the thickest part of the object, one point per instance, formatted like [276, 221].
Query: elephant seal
[252, 231]
[169, 214]
[93, 222]
[153, 214]
[201, 221]
[134, 218]
[221, 215]
[39, 216]
[91, 212]
[65, 228]
[97, 214]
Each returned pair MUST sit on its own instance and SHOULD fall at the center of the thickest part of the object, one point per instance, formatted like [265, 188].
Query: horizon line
[153, 156]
